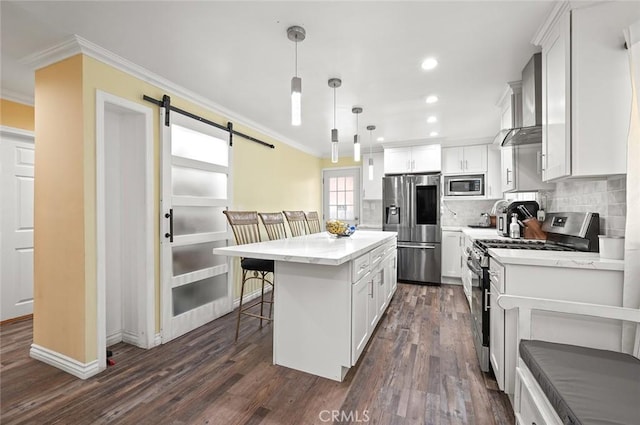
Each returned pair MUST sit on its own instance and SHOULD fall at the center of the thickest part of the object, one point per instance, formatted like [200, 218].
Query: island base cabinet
[312, 315]
[359, 322]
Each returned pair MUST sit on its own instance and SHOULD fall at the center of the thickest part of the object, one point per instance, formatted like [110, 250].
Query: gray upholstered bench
[567, 384]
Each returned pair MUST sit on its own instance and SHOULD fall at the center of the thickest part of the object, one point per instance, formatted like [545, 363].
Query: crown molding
[556, 13]
[76, 45]
[15, 96]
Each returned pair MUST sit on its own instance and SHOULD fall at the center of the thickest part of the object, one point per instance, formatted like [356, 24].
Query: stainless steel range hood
[529, 131]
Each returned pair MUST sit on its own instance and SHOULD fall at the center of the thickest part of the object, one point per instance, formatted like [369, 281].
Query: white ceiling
[237, 54]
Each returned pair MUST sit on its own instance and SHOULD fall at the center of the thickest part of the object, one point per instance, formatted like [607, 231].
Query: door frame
[322, 175]
[20, 136]
[146, 303]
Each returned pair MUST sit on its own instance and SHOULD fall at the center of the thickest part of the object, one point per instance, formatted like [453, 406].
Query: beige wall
[264, 180]
[16, 115]
[60, 308]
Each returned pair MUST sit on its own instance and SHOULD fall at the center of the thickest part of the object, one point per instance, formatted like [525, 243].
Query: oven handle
[473, 268]
[486, 300]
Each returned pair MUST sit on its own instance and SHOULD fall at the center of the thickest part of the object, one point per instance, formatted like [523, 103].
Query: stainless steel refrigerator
[411, 207]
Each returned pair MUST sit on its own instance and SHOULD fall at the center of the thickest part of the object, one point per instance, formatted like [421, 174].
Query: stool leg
[262, 274]
[244, 276]
[273, 289]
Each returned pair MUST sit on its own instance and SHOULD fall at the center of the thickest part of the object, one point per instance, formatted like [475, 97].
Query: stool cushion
[255, 264]
[585, 385]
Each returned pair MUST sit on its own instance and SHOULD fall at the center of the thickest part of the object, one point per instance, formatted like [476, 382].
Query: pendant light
[296, 34]
[334, 83]
[371, 128]
[356, 138]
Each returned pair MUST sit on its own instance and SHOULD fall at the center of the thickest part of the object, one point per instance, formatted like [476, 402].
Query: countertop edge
[591, 261]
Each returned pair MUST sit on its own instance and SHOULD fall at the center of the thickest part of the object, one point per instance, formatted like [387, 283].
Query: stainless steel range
[565, 232]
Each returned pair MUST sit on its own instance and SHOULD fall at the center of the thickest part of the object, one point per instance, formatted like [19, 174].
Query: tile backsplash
[606, 196]
[463, 212]
[371, 213]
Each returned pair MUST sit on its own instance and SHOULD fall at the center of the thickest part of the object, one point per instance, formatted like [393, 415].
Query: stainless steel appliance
[464, 185]
[522, 208]
[411, 207]
[565, 232]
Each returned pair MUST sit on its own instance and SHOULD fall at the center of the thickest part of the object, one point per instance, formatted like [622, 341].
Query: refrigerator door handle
[418, 246]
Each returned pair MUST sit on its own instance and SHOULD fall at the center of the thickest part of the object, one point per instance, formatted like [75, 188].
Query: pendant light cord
[296, 56]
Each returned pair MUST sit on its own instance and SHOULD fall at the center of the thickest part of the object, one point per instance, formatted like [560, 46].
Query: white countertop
[474, 232]
[581, 260]
[318, 248]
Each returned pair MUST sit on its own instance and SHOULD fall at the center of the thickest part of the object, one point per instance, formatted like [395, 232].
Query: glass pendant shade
[296, 101]
[370, 168]
[356, 148]
[334, 145]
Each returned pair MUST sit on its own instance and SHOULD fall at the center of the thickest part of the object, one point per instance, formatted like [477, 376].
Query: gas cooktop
[485, 244]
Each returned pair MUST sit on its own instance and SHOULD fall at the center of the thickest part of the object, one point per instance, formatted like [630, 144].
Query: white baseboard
[248, 297]
[65, 363]
[451, 280]
[157, 340]
[114, 339]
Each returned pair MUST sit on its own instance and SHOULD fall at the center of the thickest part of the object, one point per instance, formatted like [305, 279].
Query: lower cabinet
[371, 295]
[359, 321]
[496, 341]
[451, 254]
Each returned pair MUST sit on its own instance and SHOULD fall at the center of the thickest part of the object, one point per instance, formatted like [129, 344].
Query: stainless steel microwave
[464, 185]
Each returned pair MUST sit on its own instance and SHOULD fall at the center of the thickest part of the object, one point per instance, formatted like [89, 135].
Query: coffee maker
[503, 218]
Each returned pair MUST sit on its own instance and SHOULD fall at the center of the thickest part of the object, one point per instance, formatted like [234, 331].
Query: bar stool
[297, 222]
[274, 223]
[313, 221]
[245, 229]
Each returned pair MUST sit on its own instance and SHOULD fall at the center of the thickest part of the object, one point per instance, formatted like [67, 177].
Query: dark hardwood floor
[419, 368]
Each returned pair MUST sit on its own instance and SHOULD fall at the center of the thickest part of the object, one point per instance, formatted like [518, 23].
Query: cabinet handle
[371, 286]
[466, 164]
[461, 165]
[508, 171]
[413, 164]
[169, 235]
[543, 161]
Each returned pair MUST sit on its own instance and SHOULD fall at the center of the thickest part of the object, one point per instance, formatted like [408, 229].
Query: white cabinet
[579, 284]
[467, 274]
[496, 323]
[522, 169]
[359, 321]
[451, 253]
[375, 278]
[414, 159]
[586, 92]
[492, 179]
[556, 68]
[464, 159]
[372, 189]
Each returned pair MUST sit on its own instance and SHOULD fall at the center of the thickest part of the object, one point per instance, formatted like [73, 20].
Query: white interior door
[341, 195]
[16, 223]
[196, 188]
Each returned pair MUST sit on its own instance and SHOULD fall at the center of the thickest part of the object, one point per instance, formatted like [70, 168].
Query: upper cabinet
[464, 159]
[586, 89]
[414, 159]
[372, 189]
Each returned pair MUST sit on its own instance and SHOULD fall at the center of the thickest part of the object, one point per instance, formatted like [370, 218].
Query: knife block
[533, 229]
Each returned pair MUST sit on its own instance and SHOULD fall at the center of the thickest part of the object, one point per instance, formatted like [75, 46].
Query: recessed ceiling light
[380, 139]
[432, 119]
[429, 63]
[432, 99]
[433, 134]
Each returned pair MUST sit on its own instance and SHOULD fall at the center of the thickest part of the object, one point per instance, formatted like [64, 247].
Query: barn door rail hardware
[166, 103]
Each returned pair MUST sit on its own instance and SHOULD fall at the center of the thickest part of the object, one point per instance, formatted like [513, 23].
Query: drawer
[360, 267]
[527, 412]
[496, 274]
[377, 254]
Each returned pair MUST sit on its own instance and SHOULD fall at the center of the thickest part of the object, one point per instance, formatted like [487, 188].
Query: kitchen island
[330, 294]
